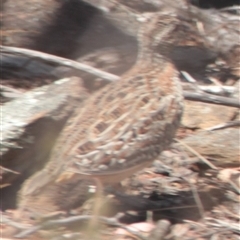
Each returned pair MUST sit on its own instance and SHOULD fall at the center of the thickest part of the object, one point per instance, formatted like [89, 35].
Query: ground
[190, 192]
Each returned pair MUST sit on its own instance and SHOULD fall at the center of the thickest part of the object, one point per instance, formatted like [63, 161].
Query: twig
[234, 227]
[59, 60]
[224, 125]
[219, 84]
[229, 213]
[234, 186]
[208, 234]
[70, 220]
[203, 226]
[28, 231]
[9, 89]
[215, 81]
[7, 170]
[199, 95]
[208, 98]
[196, 154]
[111, 77]
[191, 80]
[197, 198]
[10, 222]
[218, 90]
[230, 8]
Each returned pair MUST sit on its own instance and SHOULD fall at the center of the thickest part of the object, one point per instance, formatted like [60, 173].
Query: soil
[190, 192]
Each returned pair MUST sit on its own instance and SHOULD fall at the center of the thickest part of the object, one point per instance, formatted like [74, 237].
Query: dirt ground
[190, 192]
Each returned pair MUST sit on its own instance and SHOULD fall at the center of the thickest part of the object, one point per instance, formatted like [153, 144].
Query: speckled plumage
[121, 129]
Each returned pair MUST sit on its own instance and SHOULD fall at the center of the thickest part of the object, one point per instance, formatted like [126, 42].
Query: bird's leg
[97, 205]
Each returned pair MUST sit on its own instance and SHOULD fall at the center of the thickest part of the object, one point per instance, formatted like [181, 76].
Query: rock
[199, 115]
[31, 123]
[220, 147]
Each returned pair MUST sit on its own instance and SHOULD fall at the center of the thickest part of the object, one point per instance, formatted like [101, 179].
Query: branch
[59, 60]
[111, 77]
[77, 219]
[208, 98]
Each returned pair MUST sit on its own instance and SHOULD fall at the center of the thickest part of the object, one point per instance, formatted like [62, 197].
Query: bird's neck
[152, 59]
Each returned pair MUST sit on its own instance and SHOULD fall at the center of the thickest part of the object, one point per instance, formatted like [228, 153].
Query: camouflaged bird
[121, 129]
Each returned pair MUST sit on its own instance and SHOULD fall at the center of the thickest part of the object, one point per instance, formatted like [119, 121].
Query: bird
[121, 129]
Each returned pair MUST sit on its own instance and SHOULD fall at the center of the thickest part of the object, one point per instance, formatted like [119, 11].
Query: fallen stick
[59, 60]
[208, 98]
[200, 97]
